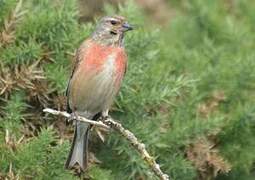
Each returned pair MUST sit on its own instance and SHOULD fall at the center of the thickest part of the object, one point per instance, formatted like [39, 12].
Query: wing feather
[79, 55]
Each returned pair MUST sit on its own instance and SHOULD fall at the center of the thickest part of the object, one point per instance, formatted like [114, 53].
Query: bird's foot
[104, 118]
[102, 132]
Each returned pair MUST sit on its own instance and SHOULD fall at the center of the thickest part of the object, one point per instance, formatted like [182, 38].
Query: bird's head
[110, 30]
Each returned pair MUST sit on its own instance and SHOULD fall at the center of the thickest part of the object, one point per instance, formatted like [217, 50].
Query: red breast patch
[96, 55]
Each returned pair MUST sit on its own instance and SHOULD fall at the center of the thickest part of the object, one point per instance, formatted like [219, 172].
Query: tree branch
[79, 118]
[110, 123]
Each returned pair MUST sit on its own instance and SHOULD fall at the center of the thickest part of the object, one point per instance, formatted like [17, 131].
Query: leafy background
[188, 93]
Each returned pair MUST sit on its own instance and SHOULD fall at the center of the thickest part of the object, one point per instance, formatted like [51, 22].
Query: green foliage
[50, 24]
[189, 80]
[10, 123]
[6, 7]
[235, 145]
[25, 53]
[30, 157]
[13, 113]
[97, 173]
[38, 158]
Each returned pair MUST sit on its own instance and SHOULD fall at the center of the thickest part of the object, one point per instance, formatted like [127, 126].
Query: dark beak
[127, 27]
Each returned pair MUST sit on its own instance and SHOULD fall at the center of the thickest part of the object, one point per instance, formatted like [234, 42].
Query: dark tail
[79, 150]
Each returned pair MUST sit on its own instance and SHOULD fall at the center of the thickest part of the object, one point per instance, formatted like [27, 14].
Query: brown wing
[78, 58]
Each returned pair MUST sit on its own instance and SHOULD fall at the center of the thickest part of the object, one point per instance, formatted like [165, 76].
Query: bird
[99, 68]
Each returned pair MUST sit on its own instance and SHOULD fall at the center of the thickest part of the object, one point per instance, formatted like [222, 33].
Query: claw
[104, 118]
[100, 135]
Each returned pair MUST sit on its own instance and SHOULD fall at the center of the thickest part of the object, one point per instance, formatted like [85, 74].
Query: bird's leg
[101, 132]
[105, 115]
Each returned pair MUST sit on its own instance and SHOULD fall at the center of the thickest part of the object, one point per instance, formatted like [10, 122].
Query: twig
[140, 147]
[79, 118]
[110, 123]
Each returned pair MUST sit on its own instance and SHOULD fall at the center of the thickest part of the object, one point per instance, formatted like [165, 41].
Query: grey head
[110, 30]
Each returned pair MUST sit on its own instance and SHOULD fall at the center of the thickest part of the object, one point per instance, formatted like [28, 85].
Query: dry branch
[79, 118]
[110, 123]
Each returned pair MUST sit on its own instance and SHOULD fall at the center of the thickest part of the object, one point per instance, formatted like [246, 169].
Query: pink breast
[97, 56]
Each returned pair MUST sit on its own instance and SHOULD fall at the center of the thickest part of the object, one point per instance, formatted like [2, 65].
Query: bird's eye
[113, 22]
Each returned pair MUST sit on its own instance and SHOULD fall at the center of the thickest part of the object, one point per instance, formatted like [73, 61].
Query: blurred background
[188, 93]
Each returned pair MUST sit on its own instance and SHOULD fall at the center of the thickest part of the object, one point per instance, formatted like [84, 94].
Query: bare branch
[140, 147]
[79, 118]
[128, 135]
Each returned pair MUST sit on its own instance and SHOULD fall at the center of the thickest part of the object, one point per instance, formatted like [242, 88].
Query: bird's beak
[127, 27]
